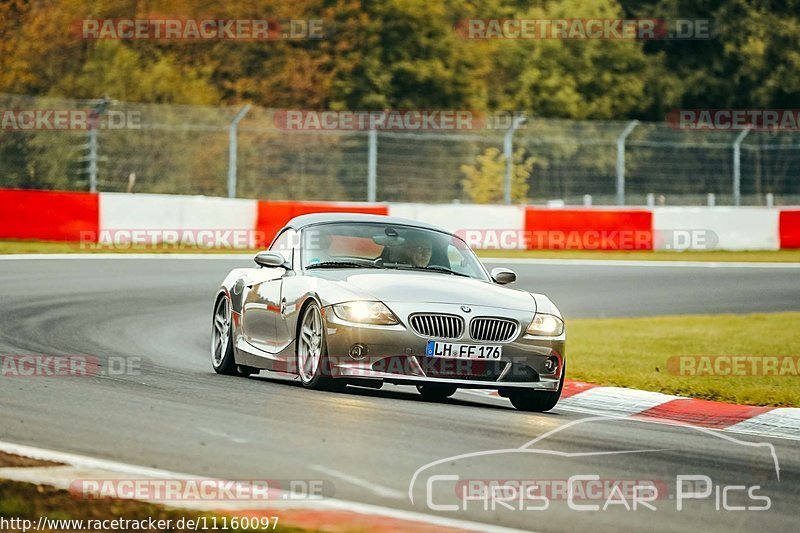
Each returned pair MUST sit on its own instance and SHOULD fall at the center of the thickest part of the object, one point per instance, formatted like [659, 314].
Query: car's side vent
[492, 329]
[437, 326]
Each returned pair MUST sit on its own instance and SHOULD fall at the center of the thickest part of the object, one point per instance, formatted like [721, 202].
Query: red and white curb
[327, 514]
[577, 396]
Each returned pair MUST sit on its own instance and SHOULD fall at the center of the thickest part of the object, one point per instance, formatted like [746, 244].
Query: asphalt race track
[177, 414]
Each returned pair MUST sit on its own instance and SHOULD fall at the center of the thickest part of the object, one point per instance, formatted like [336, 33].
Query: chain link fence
[187, 150]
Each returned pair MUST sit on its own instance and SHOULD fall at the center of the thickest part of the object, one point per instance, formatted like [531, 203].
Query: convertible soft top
[303, 221]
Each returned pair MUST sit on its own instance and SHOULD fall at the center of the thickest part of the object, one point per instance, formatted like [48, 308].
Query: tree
[751, 60]
[484, 183]
[561, 78]
[405, 54]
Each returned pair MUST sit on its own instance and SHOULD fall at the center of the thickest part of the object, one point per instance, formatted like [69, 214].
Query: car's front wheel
[537, 401]
[221, 343]
[222, 358]
[435, 392]
[312, 354]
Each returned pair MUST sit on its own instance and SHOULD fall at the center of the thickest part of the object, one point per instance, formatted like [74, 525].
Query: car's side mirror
[270, 260]
[503, 276]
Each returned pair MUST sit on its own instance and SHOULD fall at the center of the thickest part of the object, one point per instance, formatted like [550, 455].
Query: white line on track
[83, 461]
[328, 504]
[222, 435]
[378, 490]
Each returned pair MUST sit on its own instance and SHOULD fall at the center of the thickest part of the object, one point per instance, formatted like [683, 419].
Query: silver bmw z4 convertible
[341, 298]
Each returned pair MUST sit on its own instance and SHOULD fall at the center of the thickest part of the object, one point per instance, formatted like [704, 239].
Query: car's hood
[403, 286]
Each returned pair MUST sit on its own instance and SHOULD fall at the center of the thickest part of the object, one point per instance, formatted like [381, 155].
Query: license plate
[463, 351]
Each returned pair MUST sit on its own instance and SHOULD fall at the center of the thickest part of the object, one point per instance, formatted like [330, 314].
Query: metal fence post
[508, 152]
[737, 167]
[94, 123]
[621, 161]
[92, 156]
[372, 165]
[232, 149]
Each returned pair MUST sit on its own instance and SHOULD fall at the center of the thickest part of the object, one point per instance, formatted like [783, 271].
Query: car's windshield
[387, 246]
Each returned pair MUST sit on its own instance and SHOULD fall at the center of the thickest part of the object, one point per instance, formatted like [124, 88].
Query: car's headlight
[546, 325]
[365, 313]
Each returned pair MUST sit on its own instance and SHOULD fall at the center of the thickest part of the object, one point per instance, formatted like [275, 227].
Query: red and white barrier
[735, 228]
[122, 211]
[789, 228]
[460, 217]
[272, 216]
[589, 229]
[47, 215]
[75, 216]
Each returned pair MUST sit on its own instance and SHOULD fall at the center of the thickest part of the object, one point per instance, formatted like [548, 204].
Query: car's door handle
[283, 306]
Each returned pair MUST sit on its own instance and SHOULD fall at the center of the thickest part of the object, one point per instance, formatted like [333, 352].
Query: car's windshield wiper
[431, 268]
[341, 264]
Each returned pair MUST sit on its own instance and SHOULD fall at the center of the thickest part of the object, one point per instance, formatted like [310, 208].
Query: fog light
[551, 364]
[358, 351]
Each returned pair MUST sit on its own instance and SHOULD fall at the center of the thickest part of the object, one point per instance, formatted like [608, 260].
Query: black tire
[537, 401]
[436, 391]
[320, 378]
[222, 358]
[245, 371]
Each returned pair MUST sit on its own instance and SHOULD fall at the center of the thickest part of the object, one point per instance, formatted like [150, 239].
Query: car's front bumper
[396, 354]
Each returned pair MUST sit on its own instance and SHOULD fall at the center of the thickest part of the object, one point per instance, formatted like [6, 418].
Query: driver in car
[318, 245]
[418, 249]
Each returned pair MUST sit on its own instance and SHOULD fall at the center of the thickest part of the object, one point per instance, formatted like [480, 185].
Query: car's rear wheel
[537, 401]
[312, 354]
[436, 391]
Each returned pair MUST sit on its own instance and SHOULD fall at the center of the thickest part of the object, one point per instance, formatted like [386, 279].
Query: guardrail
[83, 217]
